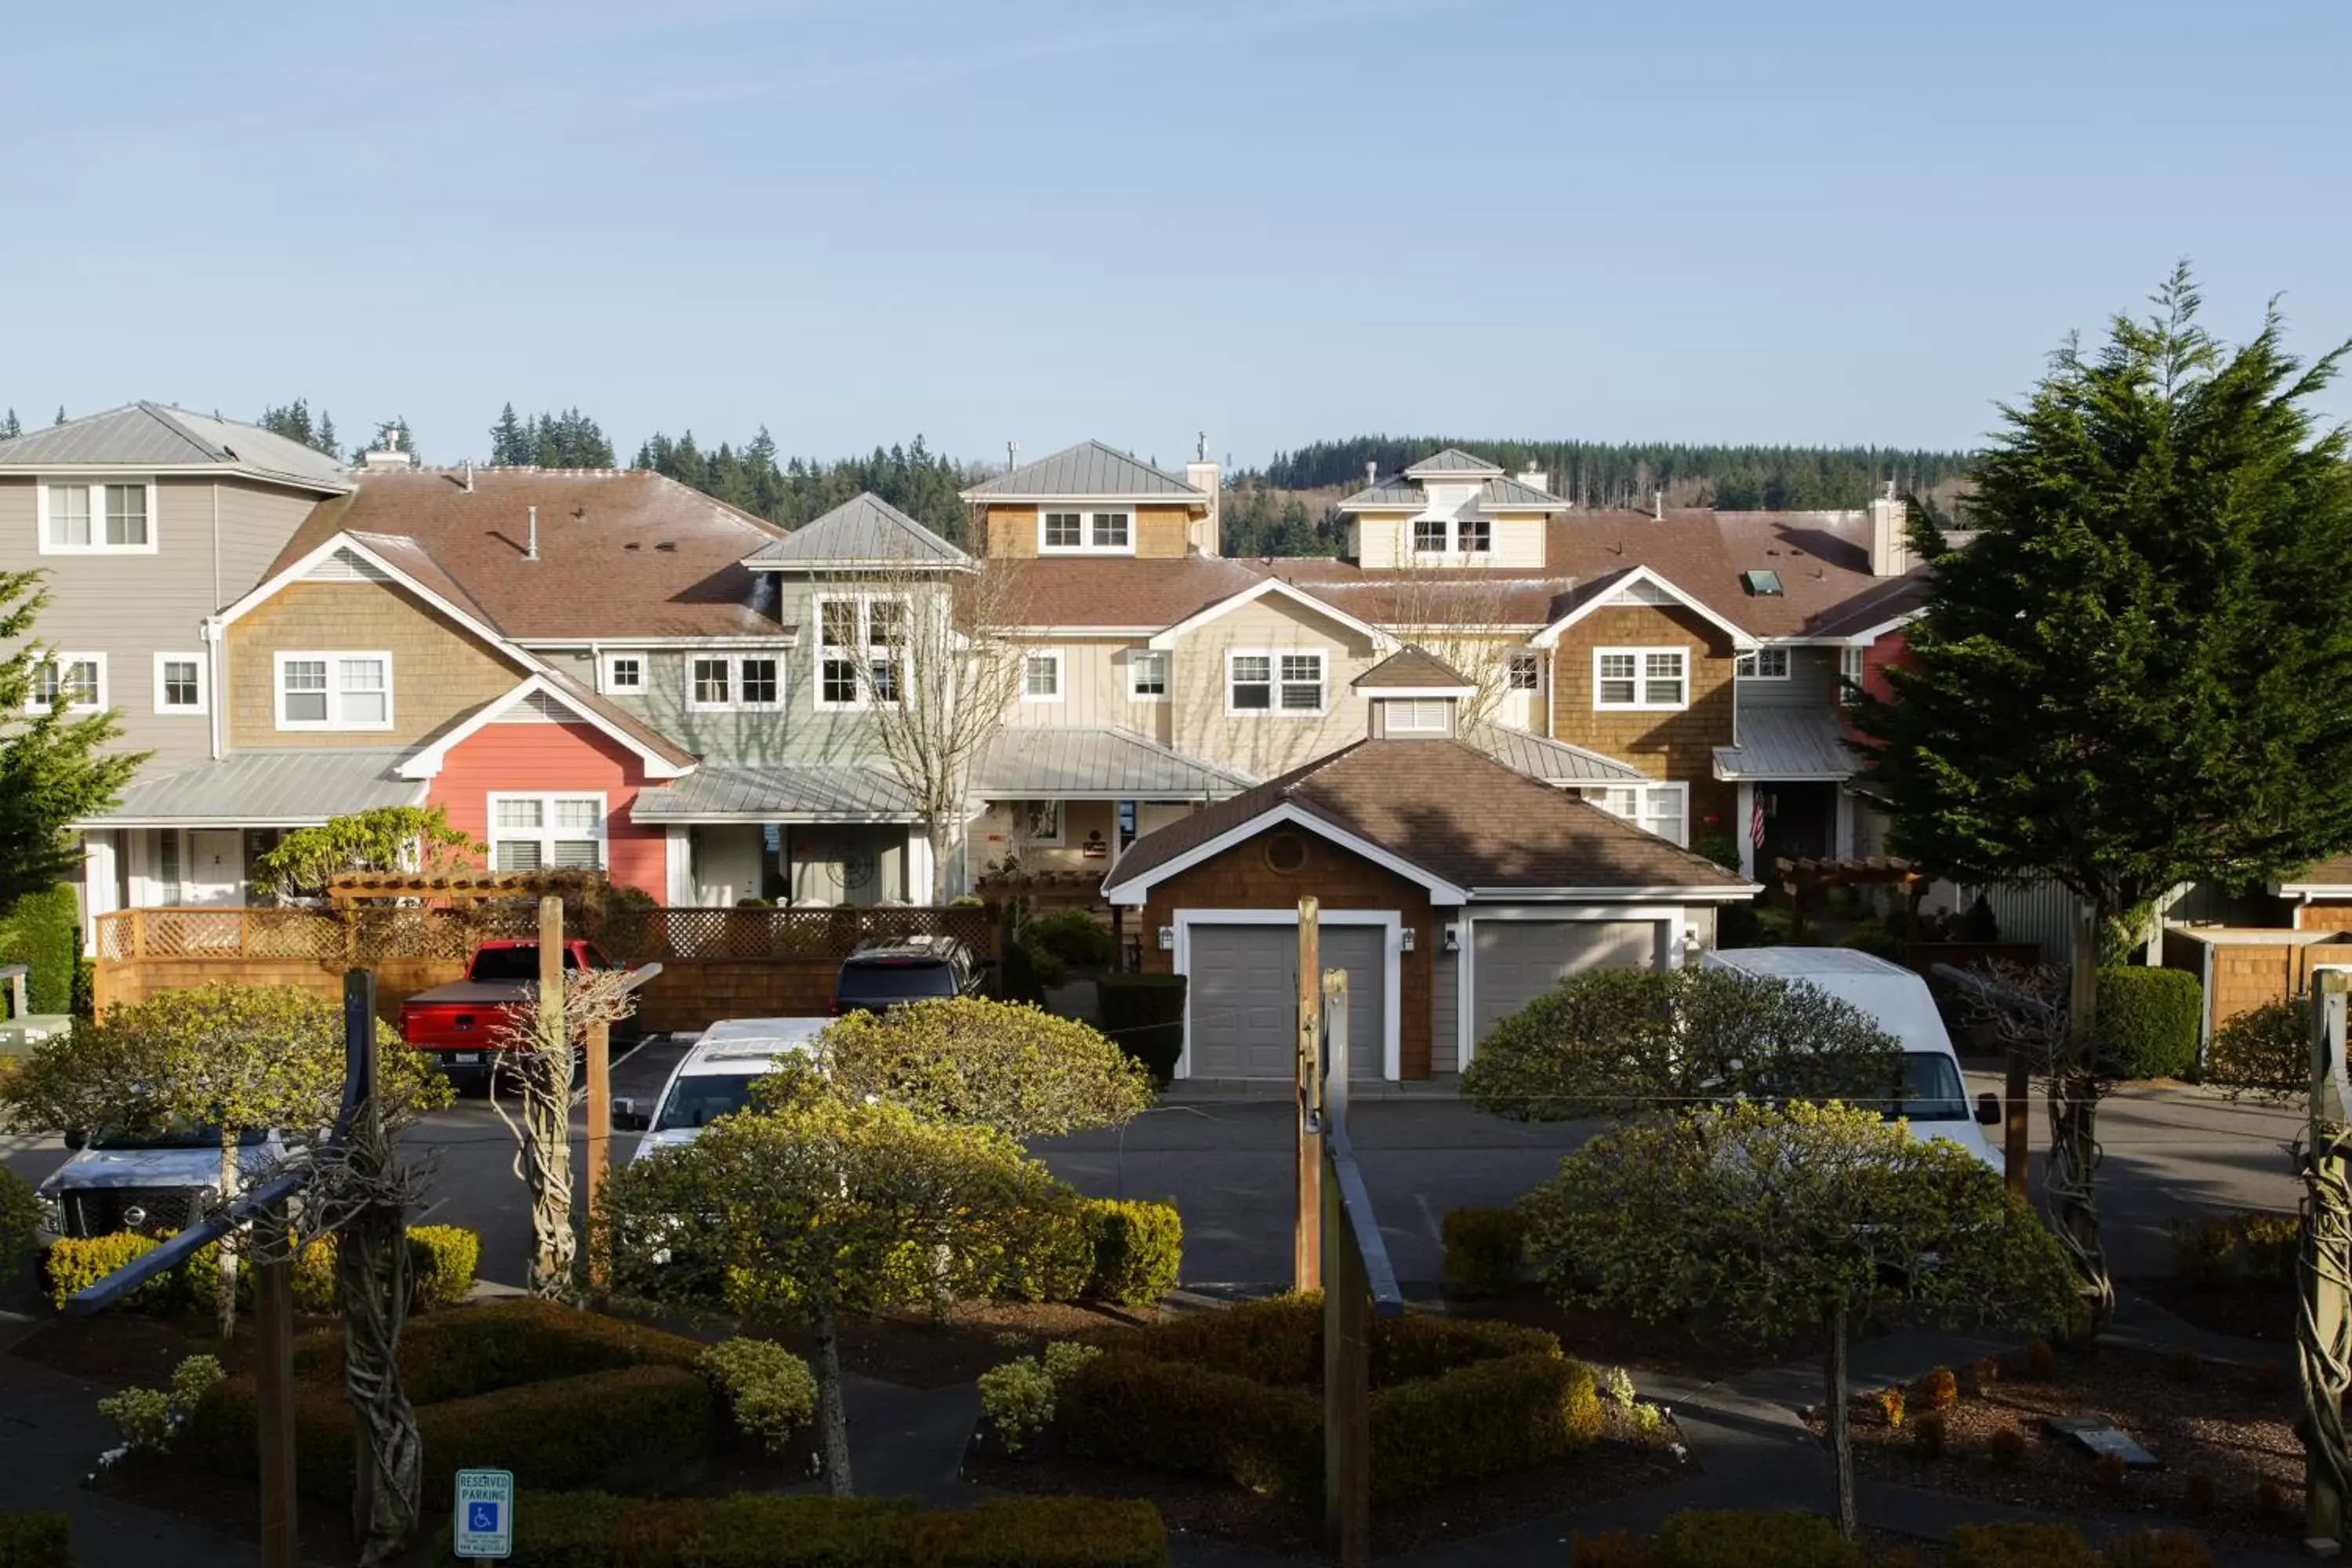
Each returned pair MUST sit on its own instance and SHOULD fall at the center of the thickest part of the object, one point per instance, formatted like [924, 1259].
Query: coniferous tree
[9, 427]
[2132, 677]
[509, 444]
[326, 442]
[386, 429]
[293, 421]
[62, 414]
[54, 766]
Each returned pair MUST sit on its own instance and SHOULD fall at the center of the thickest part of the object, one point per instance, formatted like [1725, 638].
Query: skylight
[1763, 585]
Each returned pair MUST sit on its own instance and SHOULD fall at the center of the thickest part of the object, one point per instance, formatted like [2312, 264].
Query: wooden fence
[716, 963]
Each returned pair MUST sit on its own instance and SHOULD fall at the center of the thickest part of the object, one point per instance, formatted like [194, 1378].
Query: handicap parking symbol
[482, 1517]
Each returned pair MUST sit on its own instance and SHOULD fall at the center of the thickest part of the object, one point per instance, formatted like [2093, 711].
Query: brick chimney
[1890, 536]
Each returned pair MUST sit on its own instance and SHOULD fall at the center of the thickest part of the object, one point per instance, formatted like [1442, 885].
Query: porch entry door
[215, 867]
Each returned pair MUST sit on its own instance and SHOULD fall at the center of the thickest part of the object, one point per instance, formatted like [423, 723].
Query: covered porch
[1073, 800]
[1791, 767]
[818, 837]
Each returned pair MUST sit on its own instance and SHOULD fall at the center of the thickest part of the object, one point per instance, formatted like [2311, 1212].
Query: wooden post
[2325, 1300]
[1347, 1326]
[551, 961]
[1306, 1246]
[600, 1134]
[2017, 1130]
[273, 1371]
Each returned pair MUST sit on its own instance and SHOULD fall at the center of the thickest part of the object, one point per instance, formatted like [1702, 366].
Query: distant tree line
[293, 421]
[917, 481]
[566, 440]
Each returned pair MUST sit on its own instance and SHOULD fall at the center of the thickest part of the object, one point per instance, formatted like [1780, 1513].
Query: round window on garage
[1286, 854]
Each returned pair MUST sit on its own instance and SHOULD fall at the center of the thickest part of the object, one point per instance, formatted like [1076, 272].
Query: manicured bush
[2019, 1546]
[2148, 1021]
[314, 1277]
[1929, 1434]
[223, 1435]
[442, 1259]
[755, 1529]
[1484, 1419]
[1074, 938]
[1133, 1409]
[1018, 1400]
[1051, 1259]
[2006, 1449]
[1610, 1549]
[1145, 1014]
[1486, 1252]
[1735, 1538]
[1939, 1390]
[77, 1262]
[2265, 1049]
[1138, 1249]
[769, 1392]
[504, 1344]
[36, 1541]
[2041, 1360]
[43, 931]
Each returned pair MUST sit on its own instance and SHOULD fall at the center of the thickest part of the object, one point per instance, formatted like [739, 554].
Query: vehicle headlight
[51, 1213]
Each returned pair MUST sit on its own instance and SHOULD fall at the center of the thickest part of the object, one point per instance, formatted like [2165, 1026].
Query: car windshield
[514, 963]
[1932, 1090]
[180, 1135]
[700, 1100]
[897, 979]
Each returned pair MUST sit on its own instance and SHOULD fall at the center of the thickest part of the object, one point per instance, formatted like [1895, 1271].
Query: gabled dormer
[1091, 499]
[1450, 509]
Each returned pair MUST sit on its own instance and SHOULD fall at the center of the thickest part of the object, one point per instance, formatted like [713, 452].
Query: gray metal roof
[1509, 493]
[1452, 460]
[1548, 761]
[1786, 743]
[865, 530]
[1387, 493]
[291, 788]
[1095, 762]
[153, 434]
[724, 792]
[1088, 469]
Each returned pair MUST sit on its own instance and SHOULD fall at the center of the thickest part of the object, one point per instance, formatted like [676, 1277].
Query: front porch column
[1746, 830]
[1842, 846]
[677, 867]
[918, 865]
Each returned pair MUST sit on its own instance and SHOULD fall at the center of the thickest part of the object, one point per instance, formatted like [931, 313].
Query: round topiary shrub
[770, 1392]
[2148, 1021]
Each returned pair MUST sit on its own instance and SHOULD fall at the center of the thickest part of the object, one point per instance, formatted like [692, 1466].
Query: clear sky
[854, 220]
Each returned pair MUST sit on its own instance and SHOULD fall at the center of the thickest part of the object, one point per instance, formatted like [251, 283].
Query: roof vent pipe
[1371, 473]
[1658, 505]
[532, 552]
[470, 476]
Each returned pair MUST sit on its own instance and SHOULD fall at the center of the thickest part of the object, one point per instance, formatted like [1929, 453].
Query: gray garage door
[1245, 998]
[1518, 960]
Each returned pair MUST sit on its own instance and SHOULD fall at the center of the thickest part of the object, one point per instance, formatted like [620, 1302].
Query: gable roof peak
[864, 532]
[1093, 469]
[1452, 463]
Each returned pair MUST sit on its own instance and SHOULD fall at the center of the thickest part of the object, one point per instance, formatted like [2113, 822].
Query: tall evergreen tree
[62, 414]
[2134, 678]
[509, 443]
[9, 427]
[293, 421]
[326, 436]
[54, 766]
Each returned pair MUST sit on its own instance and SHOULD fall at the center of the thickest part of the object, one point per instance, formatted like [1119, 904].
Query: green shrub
[442, 1259]
[2265, 1051]
[1018, 977]
[224, 1433]
[43, 931]
[1052, 1258]
[1074, 938]
[1484, 1419]
[2227, 1250]
[141, 1416]
[1137, 1249]
[1735, 1538]
[769, 1392]
[1175, 1415]
[1018, 1400]
[20, 1223]
[2148, 1021]
[2158, 1549]
[2019, 1546]
[1044, 1533]
[1145, 1014]
[77, 1262]
[36, 1541]
[314, 1277]
[1486, 1252]
[504, 1344]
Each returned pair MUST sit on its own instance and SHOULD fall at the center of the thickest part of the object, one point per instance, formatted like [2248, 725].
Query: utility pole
[1306, 1239]
[1346, 1322]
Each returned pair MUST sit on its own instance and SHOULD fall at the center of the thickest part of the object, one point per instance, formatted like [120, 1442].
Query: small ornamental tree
[1002, 1065]
[227, 1060]
[813, 1212]
[388, 838]
[1612, 1042]
[1765, 1218]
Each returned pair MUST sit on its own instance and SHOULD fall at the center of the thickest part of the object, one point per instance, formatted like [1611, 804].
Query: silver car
[153, 1184]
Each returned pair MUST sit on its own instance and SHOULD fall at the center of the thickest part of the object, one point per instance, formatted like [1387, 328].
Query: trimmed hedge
[1486, 1252]
[43, 931]
[2019, 1546]
[441, 1263]
[2148, 1021]
[1145, 1014]
[1235, 1395]
[36, 1541]
[753, 1530]
[1740, 1537]
[77, 1262]
[504, 1344]
[1138, 1249]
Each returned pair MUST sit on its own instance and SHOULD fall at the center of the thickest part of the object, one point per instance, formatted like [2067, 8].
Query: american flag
[1756, 823]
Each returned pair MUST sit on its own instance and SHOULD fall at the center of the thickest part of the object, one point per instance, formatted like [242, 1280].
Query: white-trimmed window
[1086, 531]
[82, 677]
[1762, 664]
[1850, 672]
[1416, 715]
[749, 682]
[547, 832]
[1429, 535]
[1641, 679]
[1523, 672]
[108, 517]
[1282, 683]
[1040, 822]
[1662, 808]
[1041, 676]
[180, 683]
[335, 690]
[1147, 675]
[625, 672]
[1474, 535]
[861, 647]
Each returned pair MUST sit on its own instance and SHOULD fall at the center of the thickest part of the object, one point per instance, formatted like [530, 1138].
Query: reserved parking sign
[485, 1513]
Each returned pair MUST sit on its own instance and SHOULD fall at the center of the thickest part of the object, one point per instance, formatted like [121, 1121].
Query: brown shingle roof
[1119, 591]
[2335, 872]
[620, 554]
[1456, 814]
[1412, 666]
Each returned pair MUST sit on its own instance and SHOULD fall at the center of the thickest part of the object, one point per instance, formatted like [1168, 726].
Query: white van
[1935, 1095]
[714, 1079]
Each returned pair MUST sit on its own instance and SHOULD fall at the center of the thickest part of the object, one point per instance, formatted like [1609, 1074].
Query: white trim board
[1168, 638]
[1392, 922]
[1612, 598]
[1131, 894]
[427, 760]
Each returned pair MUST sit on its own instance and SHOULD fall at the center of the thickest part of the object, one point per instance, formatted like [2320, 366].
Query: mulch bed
[2221, 1436]
[2265, 1313]
[127, 1349]
[1616, 1465]
[1696, 1350]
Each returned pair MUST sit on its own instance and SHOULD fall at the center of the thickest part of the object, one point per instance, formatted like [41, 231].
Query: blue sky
[1278, 219]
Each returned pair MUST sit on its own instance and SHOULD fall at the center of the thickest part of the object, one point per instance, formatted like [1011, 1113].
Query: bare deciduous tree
[535, 1045]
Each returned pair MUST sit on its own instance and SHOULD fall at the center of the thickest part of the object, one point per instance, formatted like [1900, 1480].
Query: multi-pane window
[1108, 532]
[126, 516]
[1417, 715]
[334, 691]
[1763, 664]
[547, 832]
[1066, 531]
[1147, 675]
[96, 519]
[625, 672]
[179, 683]
[759, 682]
[861, 652]
[80, 678]
[1523, 672]
[1474, 535]
[721, 682]
[1850, 673]
[1429, 535]
[1641, 678]
[1249, 682]
[69, 516]
[1041, 677]
[1662, 808]
[714, 685]
[1289, 683]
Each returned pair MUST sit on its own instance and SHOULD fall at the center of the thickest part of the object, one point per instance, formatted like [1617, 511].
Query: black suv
[889, 969]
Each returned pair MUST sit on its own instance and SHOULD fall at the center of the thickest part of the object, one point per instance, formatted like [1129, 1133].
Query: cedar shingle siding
[1670, 746]
[438, 673]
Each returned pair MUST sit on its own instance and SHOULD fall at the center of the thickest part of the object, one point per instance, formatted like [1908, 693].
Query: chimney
[531, 553]
[1658, 506]
[1206, 536]
[1012, 456]
[1536, 479]
[1890, 535]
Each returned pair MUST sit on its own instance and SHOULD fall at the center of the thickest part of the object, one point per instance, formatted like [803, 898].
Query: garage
[1244, 1008]
[1515, 961]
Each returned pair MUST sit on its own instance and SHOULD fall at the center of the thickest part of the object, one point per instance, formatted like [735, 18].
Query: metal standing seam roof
[1384, 496]
[727, 792]
[865, 530]
[1507, 494]
[290, 788]
[1088, 469]
[1786, 743]
[1095, 762]
[1452, 461]
[1550, 761]
[159, 436]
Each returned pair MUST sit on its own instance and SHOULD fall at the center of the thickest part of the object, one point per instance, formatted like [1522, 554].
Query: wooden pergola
[351, 888]
[1811, 874]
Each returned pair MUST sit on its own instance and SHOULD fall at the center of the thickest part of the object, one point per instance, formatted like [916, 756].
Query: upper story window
[1418, 715]
[1763, 664]
[1464, 535]
[547, 832]
[1523, 672]
[180, 683]
[1641, 679]
[734, 682]
[106, 518]
[335, 690]
[861, 653]
[1091, 531]
[80, 678]
[1288, 685]
[1041, 676]
[1147, 675]
[625, 672]
[1851, 668]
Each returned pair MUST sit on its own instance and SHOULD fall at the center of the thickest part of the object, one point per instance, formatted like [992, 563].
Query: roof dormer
[1450, 509]
[1414, 696]
[1091, 499]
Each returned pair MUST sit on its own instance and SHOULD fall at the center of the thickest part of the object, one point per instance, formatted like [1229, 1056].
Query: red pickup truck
[453, 1024]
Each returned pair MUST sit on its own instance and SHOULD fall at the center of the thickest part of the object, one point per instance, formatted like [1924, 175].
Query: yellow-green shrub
[1737, 1538]
[76, 1263]
[1138, 1249]
[442, 1259]
[2019, 1546]
[769, 1392]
